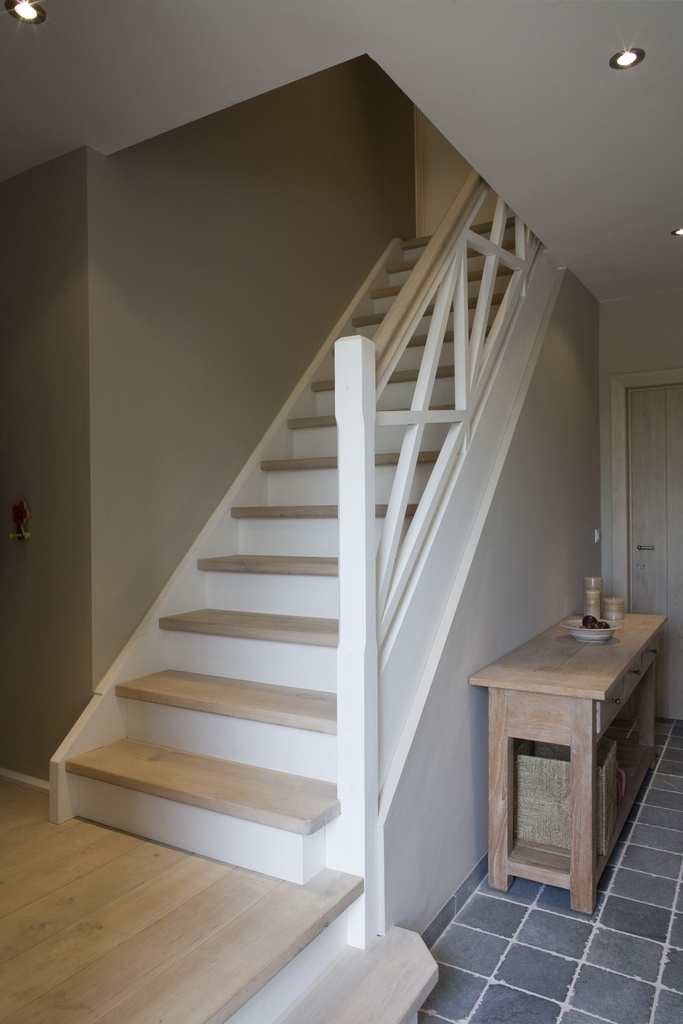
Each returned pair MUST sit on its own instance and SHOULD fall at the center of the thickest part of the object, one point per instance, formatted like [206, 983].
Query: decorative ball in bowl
[590, 630]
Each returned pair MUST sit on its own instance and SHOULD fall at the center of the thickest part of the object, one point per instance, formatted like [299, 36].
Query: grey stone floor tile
[490, 914]
[668, 782]
[668, 1009]
[672, 975]
[555, 933]
[577, 1017]
[469, 949]
[521, 891]
[676, 937]
[553, 898]
[652, 862]
[626, 954]
[663, 817]
[612, 996]
[664, 798]
[676, 741]
[455, 993]
[674, 752]
[536, 971]
[657, 838]
[636, 885]
[668, 767]
[502, 1005]
[636, 918]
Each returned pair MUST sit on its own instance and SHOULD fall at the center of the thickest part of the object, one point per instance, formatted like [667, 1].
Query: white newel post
[352, 843]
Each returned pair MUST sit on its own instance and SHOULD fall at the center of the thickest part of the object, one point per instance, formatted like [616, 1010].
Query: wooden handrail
[407, 306]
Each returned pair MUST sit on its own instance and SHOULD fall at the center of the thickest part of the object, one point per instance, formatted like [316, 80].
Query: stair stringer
[102, 721]
[406, 671]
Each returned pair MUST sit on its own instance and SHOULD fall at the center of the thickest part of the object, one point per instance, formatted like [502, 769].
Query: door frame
[620, 385]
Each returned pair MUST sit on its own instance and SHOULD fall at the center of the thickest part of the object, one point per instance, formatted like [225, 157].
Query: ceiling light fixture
[626, 58]
[26, 11]
[678, 231]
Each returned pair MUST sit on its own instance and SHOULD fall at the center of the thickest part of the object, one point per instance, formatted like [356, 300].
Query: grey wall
[221, 255]
[45, 645]
[158, 307]
[537, 544]
[636, 334]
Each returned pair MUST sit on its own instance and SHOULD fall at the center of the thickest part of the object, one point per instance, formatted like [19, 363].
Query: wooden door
[656, 557]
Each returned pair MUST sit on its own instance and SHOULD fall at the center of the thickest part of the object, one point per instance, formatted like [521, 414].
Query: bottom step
[384, 984]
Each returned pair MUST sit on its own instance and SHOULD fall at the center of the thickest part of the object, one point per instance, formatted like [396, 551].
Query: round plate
[589, 636]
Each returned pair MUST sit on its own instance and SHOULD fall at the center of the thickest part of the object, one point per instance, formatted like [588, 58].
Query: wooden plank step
[383, 984]
[310, 422]
[301, 511]
[372, 319]
[240, 952]
[290, 629]
[273, 565]
[289, 802]
[391, 291]
[236, 698]
[397, 377]
[330, 462]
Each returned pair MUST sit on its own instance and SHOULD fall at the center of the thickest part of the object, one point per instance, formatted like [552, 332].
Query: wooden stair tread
[397, 377]
[372, 319]
[278, 799]
[391, 291]
[330, 462]
[237, 698]
[255, 626]
[300, 511]
[273, 565]
[248, 944]
[308, 422]
[383, 984]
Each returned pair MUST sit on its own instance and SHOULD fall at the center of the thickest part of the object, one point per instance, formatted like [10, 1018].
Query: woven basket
[542, 793]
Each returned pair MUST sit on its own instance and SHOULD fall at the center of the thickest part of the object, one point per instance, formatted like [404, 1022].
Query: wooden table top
[555, 663]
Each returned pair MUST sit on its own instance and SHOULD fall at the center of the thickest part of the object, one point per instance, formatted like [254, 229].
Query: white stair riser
[280, 748]
[271, 1001]
[289, 487]
[247, 844]
[281, 595]
[262, 661]
[323, 441]
[396, 396]
[318, 537]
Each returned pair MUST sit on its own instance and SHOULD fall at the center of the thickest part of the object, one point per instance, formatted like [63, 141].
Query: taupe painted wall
[45, 645]
[158, 306]
[221, 255]
[538, 543]
[636, 334]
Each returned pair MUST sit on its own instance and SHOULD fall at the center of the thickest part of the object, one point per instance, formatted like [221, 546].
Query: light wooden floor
[99, 926]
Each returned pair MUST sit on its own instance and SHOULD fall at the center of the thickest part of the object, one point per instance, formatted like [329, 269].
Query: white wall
[537, 545]
[636, 334]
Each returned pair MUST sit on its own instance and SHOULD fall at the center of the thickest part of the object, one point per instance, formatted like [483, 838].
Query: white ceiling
[592, 158]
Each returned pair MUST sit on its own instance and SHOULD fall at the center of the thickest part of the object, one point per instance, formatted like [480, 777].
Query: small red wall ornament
[20, 515]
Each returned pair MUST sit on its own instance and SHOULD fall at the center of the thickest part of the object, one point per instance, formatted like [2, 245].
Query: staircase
[217, 732]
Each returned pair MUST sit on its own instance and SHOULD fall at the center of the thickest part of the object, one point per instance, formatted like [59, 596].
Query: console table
[556, 689]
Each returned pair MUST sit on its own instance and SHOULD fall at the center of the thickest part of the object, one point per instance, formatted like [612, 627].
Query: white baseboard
[27, 781]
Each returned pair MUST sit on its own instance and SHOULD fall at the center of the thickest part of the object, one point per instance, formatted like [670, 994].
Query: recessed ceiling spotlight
[626, 58]
[25, 11]
[678, 231]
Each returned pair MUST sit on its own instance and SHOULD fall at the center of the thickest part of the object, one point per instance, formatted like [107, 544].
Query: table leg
[582, 873]
[501, 791]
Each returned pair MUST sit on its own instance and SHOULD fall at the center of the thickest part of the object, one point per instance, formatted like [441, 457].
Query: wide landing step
[290, 629]
[102, 926]
[290, 802]
[236, 698]
[384, 984]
